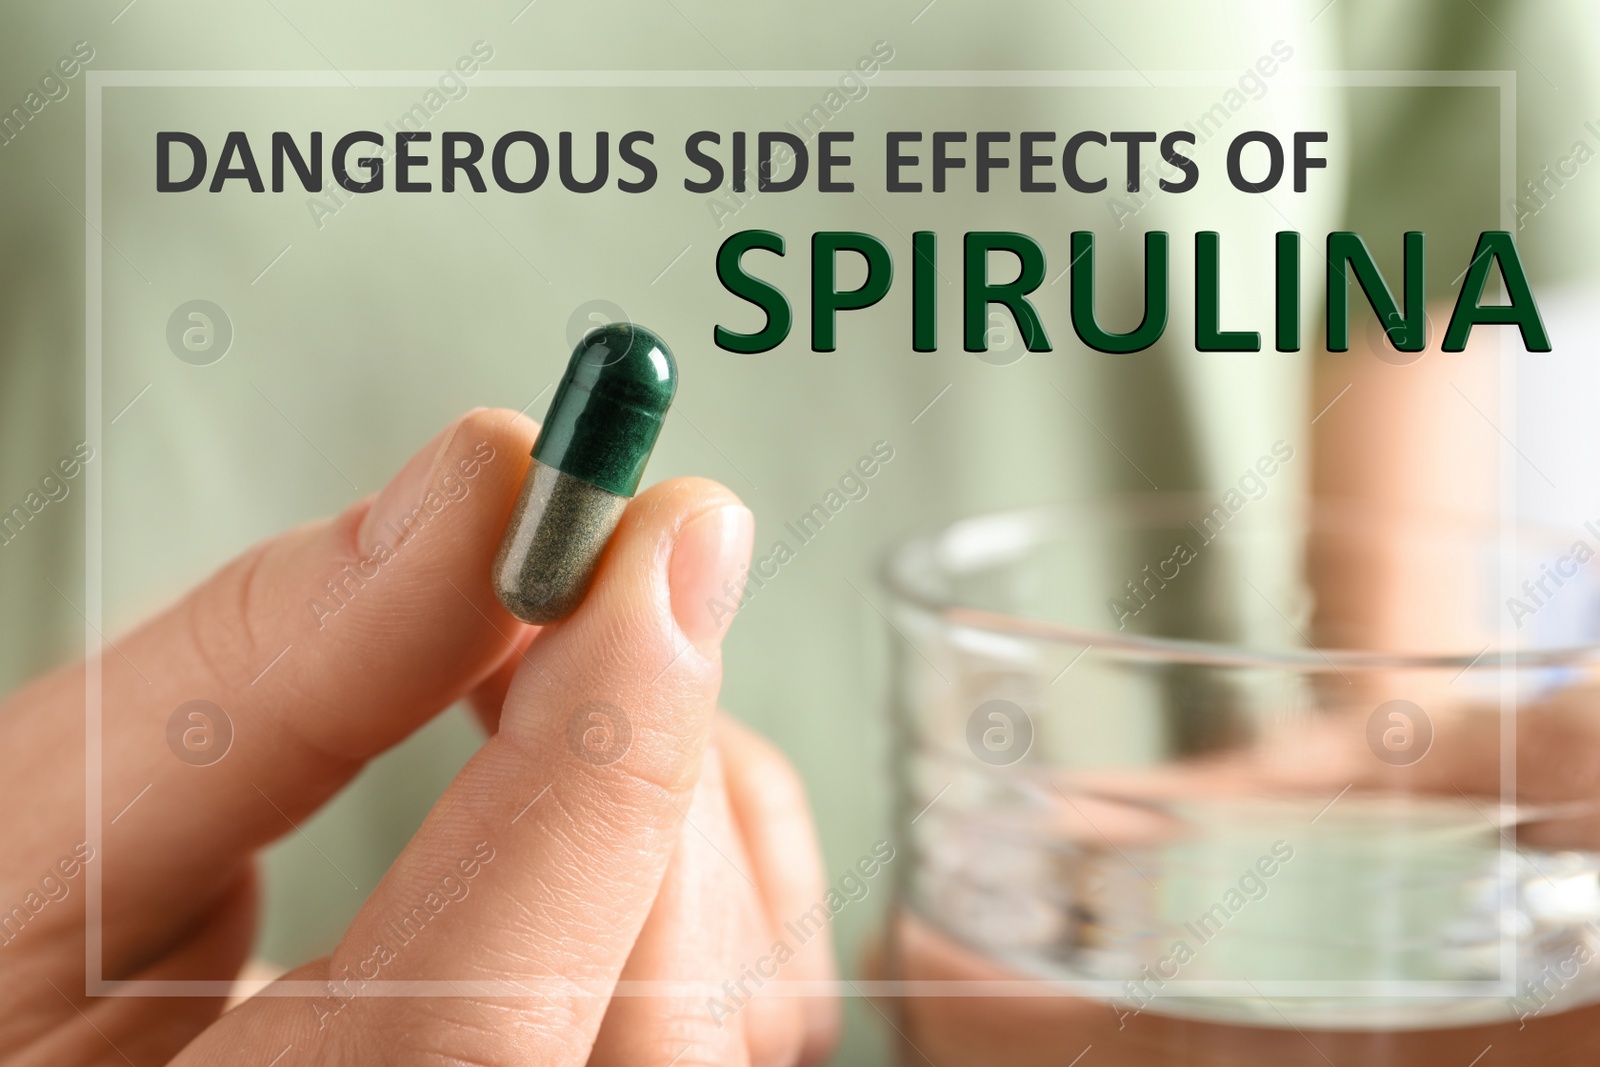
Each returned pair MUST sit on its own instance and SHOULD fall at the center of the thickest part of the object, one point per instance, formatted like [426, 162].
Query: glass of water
[1182, 782]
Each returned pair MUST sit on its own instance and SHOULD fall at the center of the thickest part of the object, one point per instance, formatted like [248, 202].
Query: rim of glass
[1034, 521]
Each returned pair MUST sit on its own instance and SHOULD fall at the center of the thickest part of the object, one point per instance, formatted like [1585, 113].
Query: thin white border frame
[99, 80]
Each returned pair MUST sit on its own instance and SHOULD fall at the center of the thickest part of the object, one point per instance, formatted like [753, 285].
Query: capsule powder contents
[587, 462]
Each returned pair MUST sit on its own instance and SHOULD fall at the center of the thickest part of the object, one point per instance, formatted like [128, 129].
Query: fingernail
[395, 514]
[709, 562]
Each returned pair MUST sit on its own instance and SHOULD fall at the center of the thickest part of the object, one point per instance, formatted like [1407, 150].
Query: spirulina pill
[587, 461]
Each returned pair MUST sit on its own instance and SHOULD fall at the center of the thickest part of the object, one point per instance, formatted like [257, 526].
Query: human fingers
[702, 926]
[297, 662]
[776, 826]
[513, 909]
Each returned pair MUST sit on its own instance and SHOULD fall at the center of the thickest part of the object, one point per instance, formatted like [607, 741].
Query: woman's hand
[608, 829]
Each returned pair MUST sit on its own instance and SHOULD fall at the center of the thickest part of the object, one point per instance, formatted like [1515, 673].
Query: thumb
[519, 899]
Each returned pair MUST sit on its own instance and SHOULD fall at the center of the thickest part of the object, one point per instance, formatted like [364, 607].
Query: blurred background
[360, 324]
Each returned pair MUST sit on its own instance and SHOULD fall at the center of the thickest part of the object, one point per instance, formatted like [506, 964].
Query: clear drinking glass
[1188, 783]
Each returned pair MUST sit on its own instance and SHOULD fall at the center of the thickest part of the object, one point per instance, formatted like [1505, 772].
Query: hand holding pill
[569, 859]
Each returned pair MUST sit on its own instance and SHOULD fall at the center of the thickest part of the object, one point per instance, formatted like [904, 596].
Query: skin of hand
[611, 828]
[1404, 435]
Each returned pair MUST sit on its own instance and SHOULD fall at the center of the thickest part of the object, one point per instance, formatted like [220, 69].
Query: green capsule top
[607, 411]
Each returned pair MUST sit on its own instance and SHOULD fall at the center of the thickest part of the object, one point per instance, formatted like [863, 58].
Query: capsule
[588, 459]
